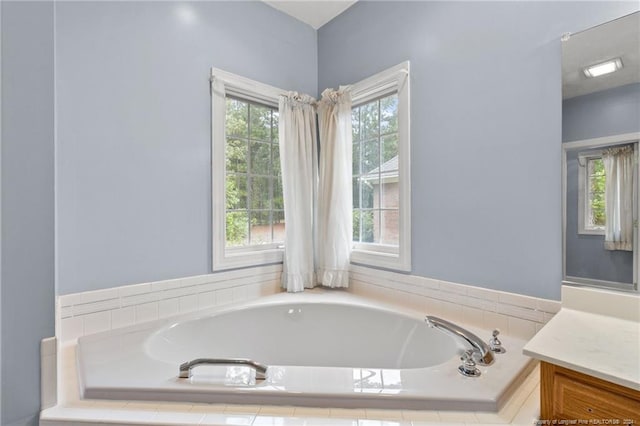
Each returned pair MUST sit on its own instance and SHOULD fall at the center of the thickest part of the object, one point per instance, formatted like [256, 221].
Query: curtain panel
[618, 166]
[334, 221]
[298, 160]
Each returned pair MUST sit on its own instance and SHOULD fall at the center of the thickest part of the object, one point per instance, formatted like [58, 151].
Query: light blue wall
[133, 128]
[1, 213]
[132, 154]
[132, 149]
[605, 113]
[486, 127]
[27, 203]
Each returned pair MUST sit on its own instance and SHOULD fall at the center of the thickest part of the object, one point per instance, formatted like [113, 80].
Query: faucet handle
[468, 367]
[468, 357]
[495, 344]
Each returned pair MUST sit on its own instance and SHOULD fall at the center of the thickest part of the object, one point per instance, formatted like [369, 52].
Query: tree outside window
[253, 182]
[375, 171]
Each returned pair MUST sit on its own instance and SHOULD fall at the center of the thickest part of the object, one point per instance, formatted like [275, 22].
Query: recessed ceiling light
[603, 68]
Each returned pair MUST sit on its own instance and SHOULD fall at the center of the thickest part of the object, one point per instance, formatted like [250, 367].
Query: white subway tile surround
[514, 314]
[90, 312]
[94, 311]
[86, 313]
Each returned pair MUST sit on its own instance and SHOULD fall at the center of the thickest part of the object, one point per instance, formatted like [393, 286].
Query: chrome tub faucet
[480, 348]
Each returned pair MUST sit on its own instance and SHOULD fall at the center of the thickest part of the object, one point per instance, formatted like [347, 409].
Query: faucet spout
[478, 345]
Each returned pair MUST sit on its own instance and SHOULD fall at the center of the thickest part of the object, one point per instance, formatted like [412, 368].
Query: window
[381, 174]
[591, 210]
[253, 186]
[375, 170]
[246, 179]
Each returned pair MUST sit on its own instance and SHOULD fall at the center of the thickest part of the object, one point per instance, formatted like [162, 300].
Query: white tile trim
[456, 301]
[90, 312]
[514, 314]
[48, 372]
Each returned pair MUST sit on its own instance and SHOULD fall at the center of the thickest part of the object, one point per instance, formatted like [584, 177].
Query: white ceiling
[313, 12]
[615, 39]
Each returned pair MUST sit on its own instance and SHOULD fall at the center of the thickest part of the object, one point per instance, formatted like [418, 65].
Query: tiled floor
[521, 409]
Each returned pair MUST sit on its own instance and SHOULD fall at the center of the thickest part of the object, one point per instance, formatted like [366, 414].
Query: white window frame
[250, 90]
[583, 193]
[393, 80]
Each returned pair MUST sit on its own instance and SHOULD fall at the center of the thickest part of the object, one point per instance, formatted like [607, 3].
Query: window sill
[591, 232]
[380, 259]
[238, 258]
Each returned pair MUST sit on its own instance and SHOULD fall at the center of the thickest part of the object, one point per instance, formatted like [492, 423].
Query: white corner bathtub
[322, 350]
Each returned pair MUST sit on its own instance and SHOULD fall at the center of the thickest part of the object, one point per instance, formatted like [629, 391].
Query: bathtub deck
[140, 362]
[521, 409]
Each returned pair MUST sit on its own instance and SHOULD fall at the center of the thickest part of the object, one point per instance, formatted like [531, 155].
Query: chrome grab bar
[261, 369]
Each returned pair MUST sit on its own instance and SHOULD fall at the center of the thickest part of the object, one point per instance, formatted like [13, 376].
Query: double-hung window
[591, 194]
[381, 170]
[248, 209]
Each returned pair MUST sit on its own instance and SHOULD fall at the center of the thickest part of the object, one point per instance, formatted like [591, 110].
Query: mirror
[600, 133]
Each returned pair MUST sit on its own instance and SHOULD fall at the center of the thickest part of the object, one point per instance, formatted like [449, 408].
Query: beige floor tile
[208, 408]
[376, 414]
[348, 413]
[276, 410]
[458, 416]
[419, 415]
[242, 409]
[312, 412]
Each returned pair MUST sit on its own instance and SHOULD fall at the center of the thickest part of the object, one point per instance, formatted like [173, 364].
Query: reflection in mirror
[600, 130]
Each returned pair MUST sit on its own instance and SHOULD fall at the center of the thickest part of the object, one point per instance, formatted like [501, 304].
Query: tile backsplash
[515, 314]
[91, 312]
[95, 311]
[611, 303]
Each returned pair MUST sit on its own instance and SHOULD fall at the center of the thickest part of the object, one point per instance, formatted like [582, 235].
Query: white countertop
[602, 346]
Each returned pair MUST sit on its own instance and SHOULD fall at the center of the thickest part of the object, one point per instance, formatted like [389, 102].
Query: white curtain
[298, 160]
[618, 195]
[334, 225]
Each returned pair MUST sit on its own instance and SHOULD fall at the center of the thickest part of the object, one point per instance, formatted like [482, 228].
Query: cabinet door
[569, 395]
[578, 400]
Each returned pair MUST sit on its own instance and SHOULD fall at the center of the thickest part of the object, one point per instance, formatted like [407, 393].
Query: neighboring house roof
[387, 171]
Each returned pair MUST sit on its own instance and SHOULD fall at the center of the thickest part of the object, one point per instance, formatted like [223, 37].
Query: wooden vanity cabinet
[569, 395]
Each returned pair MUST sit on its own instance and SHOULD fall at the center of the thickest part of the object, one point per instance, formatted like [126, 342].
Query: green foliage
[389, 115]
[236, 119]
[260, 123]
[253, 169]
[369, 120]
[364, 234]
[236, 222]
[597, 183]
[389, 148]
[237, 229]
[236, 156]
